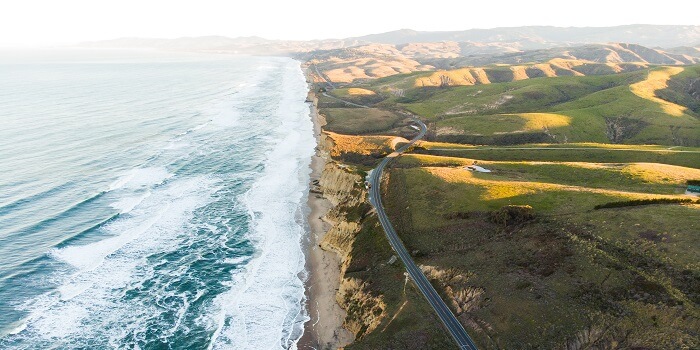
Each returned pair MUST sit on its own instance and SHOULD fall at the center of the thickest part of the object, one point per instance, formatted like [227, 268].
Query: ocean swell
[265, 307]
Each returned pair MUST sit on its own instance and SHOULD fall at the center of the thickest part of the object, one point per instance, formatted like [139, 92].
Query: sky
[61, 22]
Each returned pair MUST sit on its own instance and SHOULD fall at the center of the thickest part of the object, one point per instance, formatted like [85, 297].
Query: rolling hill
[505, 105]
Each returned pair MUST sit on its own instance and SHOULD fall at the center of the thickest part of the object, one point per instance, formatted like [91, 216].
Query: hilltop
[381, 60]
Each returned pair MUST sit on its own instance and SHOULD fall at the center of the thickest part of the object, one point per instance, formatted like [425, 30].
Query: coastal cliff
[345, 190]
[342, 307]
[359, 295]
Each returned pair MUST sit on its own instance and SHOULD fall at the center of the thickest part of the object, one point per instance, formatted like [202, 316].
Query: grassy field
[356, 121]
[502, 123]
[624, 277]
[399, 330]
[615, 108]
[596, 153]
[522, 254]
[357, 95]
[635, 177]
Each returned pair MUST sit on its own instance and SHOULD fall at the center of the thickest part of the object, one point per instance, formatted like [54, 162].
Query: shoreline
[324, 329]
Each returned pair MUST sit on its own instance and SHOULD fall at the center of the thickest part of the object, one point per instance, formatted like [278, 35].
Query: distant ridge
[479, 41]
[538, 37]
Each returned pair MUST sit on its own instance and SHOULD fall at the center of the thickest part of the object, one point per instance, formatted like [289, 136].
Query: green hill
[659, 105]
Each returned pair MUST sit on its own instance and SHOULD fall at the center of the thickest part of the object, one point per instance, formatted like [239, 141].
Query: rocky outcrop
[464, 298]
[341, 186]
[339, 239]
[365, 311]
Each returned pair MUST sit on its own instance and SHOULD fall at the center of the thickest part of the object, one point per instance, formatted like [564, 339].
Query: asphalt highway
[464, 342]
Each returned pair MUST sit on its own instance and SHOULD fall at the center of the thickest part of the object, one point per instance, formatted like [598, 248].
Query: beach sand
[325, 328]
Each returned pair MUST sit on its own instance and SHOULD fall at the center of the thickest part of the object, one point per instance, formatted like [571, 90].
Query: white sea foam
[18, 329]
[127, 204]
[141, 177]
[200, 126]
[175, 145]
[246, 319]
[88, 257]
[88, 301]
[226, 115]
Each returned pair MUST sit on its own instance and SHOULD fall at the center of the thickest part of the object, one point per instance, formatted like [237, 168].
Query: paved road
[448, 319]
[328, 82]
[343, 101]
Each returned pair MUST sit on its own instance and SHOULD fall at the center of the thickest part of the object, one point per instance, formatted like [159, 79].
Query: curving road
[448, 319]
[446, 316]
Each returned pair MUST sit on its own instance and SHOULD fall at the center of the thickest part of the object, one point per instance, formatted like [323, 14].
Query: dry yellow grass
[539, 121]
[481, 76]
[347, 70]
[658, 80]
[499, 189]
[360, 92]
[519, 73]
[364, 145]
[647, 172]
[546, 68]
[462, 76]
[346, 75]
[616, 67]
[473, 76]
[458, 77]
[567, 65]
[661, 173]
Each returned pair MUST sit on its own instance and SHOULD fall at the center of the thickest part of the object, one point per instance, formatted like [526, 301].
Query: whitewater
[152, 200]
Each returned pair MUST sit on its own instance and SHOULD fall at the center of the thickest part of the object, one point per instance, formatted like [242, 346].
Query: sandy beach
[325, 328]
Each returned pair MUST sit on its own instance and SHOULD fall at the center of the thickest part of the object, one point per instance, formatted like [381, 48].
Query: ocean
[152, 200]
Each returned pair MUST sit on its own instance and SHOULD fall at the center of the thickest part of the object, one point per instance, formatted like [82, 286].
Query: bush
[636, 202]
[513, 215]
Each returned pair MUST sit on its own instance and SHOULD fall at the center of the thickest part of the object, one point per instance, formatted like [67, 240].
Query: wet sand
[325, 328]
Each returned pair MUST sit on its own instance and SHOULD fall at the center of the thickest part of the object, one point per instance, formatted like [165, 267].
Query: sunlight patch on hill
[519, 73]
[567, 65]
[539, 121]
[364, 145]
[661, 173]
[500, 189]
[658, 80]
[360, 92]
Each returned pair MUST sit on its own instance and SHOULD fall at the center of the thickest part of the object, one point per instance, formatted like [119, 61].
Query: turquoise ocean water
[151, 200]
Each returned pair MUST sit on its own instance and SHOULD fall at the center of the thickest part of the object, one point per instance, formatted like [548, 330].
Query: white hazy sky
[51, 22]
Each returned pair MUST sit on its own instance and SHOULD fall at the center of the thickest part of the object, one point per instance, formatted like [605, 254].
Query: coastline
[324, 329]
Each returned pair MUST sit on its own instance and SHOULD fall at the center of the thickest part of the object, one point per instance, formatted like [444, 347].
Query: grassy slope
[356, 121]
[571, 271]
[684, 89]
[399, 330]
[574, 272]
[635, 177]
[592, 104]
[601, 156]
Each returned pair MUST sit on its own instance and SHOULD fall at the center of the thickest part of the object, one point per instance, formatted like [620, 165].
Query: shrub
[512, 215]
[636, 202]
